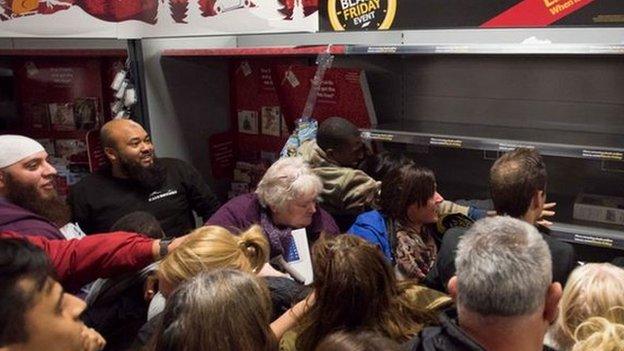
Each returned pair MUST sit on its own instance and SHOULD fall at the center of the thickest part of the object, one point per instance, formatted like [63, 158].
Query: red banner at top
[535, 13]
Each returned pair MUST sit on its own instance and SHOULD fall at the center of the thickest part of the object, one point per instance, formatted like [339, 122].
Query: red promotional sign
[221, 151]
[97, 157]
[536, 13]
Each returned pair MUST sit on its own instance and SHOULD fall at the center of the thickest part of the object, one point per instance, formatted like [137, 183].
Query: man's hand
[547, 211]
[92, 340]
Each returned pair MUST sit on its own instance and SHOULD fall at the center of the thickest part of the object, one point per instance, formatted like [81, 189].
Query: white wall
[188, 98]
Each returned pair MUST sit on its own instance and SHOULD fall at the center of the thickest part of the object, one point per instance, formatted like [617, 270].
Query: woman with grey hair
[285, 199]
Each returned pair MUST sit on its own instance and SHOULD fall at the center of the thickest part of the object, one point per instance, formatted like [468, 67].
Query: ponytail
[214, 247]
[255, 247]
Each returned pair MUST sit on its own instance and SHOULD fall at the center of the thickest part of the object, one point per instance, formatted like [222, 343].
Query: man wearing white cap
[30, 206]
[29, 203]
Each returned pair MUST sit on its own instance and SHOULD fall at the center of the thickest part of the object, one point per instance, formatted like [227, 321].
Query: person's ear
[2, 179]
[537, 200]
[551, 305]
[542, 198]
[111, 154]
[452, 287]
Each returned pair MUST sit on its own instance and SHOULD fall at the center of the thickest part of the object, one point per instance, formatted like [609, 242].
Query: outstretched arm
[80, 261]
[291, 317]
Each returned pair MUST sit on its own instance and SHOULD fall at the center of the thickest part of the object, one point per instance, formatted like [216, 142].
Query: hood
[20, 220]
[314, 155]
[10, 213]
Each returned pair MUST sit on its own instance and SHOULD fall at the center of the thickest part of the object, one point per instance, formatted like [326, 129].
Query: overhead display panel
[367, 15]
[154, 18]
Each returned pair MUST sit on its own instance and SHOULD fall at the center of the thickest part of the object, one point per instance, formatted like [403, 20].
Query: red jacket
[80, 261]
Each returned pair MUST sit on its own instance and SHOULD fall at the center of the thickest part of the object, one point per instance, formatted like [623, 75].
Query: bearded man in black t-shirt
[137, 180]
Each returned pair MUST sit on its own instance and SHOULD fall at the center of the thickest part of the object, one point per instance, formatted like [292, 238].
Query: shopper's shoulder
[179, 169]
[426, 340]
[308, 149]
[448, 336]
[357, 176]
[369, 225]
[171, 162]
[373, 216]
[239, 212]
[335, 171]
[555, 244]
[244, 202]
[452, 235]
[427, 299]
[94, 180]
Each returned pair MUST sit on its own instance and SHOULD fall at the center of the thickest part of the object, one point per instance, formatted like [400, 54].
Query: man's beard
[53, 208]
[151, 177]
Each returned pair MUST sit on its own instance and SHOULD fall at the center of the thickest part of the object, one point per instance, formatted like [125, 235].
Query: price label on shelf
[382, 49]
[593, 240]
[603, 155]
[451, 49]
[377, 136]
[513, 146]
[446, 142]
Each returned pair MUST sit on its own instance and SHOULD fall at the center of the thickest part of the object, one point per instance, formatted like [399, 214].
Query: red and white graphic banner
[535, 13]
[154, 18]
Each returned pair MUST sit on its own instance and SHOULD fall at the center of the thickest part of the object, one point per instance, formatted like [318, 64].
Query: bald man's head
[131, 153]
[127, 146]
[113, 131]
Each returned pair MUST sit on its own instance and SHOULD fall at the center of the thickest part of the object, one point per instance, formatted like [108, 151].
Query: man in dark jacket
[137, 180]
[518, 189]
[503, 291]
[29, 203]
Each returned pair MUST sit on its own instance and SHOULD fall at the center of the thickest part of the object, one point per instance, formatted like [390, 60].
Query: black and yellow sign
[361, 14]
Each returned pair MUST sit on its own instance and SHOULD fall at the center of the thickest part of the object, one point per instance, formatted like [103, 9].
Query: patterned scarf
[280, 239]
[414, 251]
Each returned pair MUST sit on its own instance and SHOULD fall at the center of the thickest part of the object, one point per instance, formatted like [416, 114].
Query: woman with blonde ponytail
[210, 248]
[206, 250]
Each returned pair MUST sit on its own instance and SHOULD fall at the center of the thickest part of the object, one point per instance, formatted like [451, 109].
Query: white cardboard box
[598, 208]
